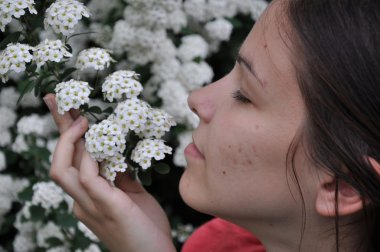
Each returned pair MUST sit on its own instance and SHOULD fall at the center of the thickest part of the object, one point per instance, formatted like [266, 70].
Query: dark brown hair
[339, 77]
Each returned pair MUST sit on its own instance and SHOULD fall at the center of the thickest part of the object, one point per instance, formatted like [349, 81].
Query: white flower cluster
[9, 190]
[174, 96]
[50, 50]
[158, 123]
[63, 15]
[36, 124]
[71, 95]
[121, 84]
[47, 194]
[219, 29]
[49, 230]
[192, 47]
[131, 114]
[105, 140]
[14, 58]
[7, 120]
[96, 58]
[9, 8]
[148, 149]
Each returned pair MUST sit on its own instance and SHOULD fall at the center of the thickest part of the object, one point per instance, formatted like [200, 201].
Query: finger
[64, 151]
[75, 113]
[127, 184]
[63, 121]
[96, 186]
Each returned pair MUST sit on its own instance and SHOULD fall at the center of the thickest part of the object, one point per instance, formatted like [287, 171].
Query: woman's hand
[125, 217]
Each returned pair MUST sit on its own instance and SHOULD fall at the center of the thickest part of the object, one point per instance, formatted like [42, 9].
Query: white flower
[107, 173]
[192, 46]
[219, 29]
[220, 8]
[115, 164]
[121, 84]
[87, 232]
[92, 248]
[7, 118]
[104, 140]
[50, 230]
[63, 15]
[20, 145]
[174, 98]
[159, 122]
[100, 9]
[5, 138]
[96, 58]
[9, 8]
[166, 70]
[47, 194]
[257, 7]
[3, 161]
[50, 50]
[14, 58]
[9, 97]
[35, 124]
[131, 114]
[24, 242]
[72, 94]
[177, 20]
[196, 9]
[147, 149]
[193, 75]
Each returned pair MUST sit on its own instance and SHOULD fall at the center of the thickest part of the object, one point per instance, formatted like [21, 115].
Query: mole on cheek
[265, 46]
[224, 172]
[257, 126]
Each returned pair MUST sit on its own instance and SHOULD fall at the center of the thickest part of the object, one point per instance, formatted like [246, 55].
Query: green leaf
[28, 87]
[65, 220]
[37, 213]
[67, 73]
[108, 110]
[53, 242]
[31, 68]
[95, 110]
[145, 178]
[26, 194]
[11, 38]
[162, 168]
[235, 22]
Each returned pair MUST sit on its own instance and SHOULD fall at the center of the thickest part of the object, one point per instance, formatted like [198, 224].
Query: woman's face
[240, 171]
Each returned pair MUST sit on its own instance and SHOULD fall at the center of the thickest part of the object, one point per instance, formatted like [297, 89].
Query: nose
[202, 102]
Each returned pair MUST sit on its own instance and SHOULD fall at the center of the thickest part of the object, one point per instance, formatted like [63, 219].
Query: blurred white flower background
[128, 66]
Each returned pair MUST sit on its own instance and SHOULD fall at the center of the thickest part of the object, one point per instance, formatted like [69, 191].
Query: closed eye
[237, 95]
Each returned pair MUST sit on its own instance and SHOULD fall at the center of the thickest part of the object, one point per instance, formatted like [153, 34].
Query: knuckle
[54, 175]
[85, 182]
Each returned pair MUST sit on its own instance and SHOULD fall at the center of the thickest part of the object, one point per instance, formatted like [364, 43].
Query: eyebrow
[243, 61]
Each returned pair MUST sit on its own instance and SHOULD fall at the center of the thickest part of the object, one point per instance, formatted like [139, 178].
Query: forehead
[267, 46]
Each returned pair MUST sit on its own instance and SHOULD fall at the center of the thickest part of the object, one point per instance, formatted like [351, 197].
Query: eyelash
[237, 95]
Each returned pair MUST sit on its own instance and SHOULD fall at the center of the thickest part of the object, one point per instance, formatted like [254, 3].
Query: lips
[192, 151]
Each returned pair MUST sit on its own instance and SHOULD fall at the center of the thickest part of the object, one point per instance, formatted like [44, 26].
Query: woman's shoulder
[218, 235]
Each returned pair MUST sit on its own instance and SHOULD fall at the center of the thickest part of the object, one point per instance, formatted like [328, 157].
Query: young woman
[288, 145]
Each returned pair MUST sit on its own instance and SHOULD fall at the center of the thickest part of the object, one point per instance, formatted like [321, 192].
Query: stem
[93, 115]
[53, 71]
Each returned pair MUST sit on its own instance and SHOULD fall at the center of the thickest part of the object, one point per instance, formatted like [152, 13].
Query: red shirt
[218, 235]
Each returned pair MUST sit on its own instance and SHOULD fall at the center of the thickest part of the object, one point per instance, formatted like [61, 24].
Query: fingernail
[48, 102]
[78, 121]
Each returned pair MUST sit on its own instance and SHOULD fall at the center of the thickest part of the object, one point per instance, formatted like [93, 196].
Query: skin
[240, 174]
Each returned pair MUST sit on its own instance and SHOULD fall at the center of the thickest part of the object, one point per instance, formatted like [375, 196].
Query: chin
[194, 194]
